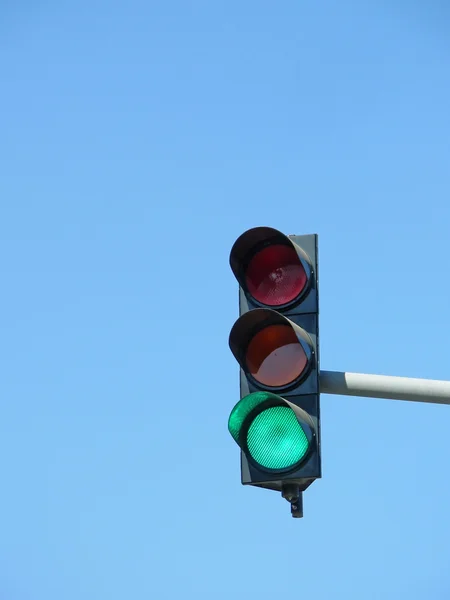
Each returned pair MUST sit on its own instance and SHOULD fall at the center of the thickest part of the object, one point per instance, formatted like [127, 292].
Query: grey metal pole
[384, 386]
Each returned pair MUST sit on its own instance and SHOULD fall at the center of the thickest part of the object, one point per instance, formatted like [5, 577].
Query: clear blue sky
[138, 140]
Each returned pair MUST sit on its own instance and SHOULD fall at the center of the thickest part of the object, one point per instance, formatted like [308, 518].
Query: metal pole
[383, 386]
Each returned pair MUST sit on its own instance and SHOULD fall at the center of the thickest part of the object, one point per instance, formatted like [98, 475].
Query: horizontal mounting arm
[384, 386]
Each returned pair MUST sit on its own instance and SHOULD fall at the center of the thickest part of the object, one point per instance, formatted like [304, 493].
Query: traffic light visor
[270, 267]
[243, 409]
[276, 434]
[271, 349]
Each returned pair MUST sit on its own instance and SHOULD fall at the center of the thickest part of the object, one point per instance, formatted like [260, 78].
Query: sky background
[139, 139]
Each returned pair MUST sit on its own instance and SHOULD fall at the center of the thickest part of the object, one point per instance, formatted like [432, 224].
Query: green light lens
[276, 440]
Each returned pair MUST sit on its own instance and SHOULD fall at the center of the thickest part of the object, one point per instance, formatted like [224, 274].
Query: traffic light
[276, 423]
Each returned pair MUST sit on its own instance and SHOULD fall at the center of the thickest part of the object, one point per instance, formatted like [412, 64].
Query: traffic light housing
[275, 340]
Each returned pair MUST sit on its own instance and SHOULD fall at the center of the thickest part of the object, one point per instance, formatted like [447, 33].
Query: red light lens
[275, 275]
[275, 357]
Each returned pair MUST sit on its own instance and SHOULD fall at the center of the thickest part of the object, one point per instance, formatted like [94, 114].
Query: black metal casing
[304, 394]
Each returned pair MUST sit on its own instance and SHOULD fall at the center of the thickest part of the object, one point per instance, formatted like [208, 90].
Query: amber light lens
[275, 275]
[275, 357]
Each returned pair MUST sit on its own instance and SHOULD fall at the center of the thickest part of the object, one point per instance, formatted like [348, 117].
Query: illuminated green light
[276, 440]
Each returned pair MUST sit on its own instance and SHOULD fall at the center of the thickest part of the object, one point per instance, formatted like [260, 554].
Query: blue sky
[139, 139]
